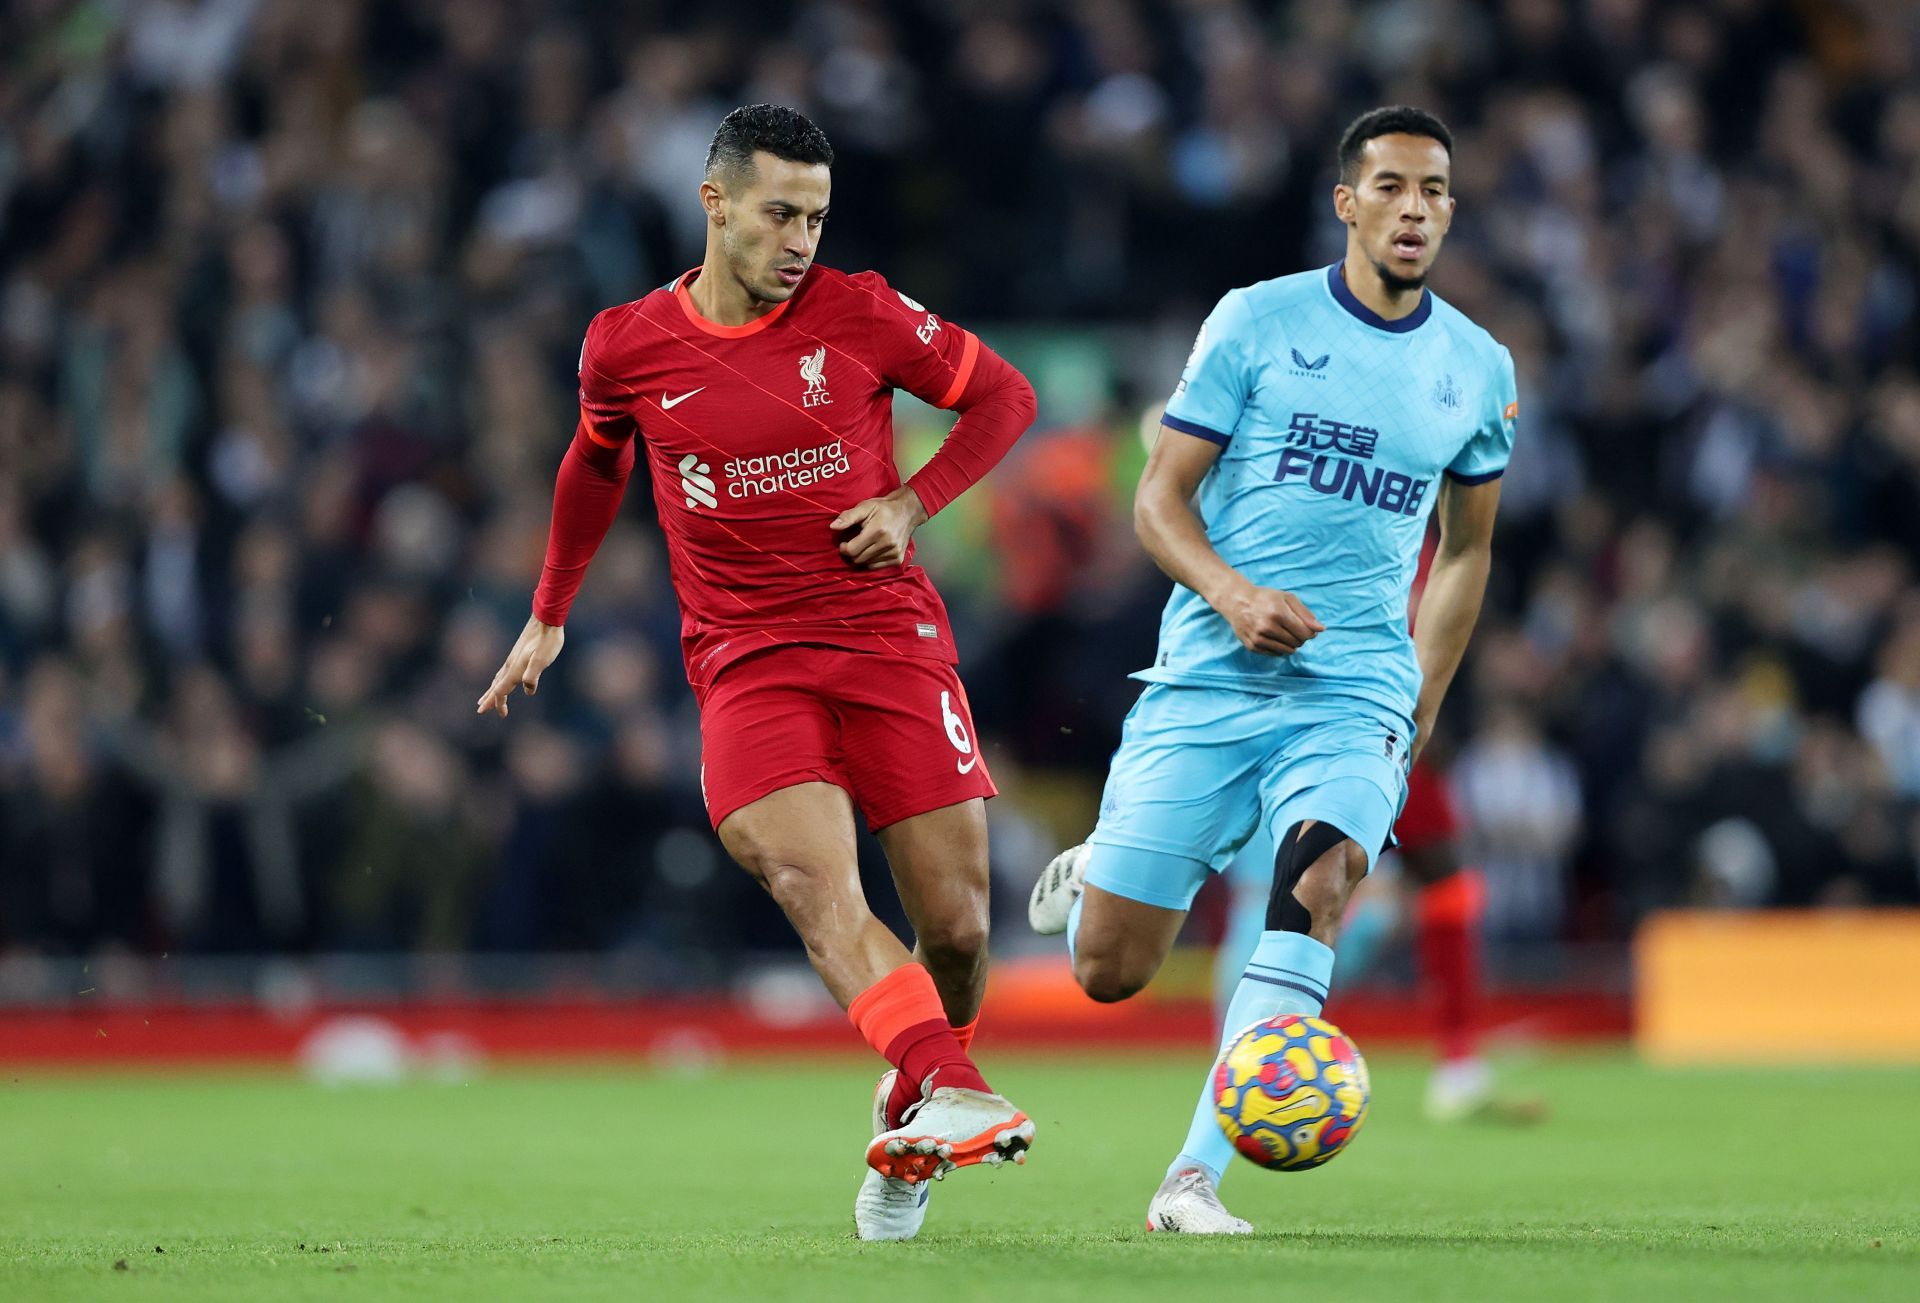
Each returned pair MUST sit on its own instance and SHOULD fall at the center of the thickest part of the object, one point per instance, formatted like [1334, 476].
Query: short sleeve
[916, 350]
[605, 410]
[1485, 456]
[1218, 377]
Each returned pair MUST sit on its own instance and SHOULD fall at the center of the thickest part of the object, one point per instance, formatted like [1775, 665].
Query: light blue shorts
[1200, 770]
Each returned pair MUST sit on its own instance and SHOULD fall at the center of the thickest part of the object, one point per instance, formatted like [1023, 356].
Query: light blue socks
[1288, 973]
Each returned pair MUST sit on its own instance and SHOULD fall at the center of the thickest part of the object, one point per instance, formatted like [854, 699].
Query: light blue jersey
[1336, 426]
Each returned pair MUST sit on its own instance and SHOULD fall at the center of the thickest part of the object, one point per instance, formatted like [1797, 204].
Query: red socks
[906, 1091]
[1447, 941]
[901, 1016]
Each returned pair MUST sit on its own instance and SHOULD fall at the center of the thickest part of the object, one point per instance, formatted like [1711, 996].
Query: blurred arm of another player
[586, 498]
[1265, 620]
[946, 366]
[1456, 583]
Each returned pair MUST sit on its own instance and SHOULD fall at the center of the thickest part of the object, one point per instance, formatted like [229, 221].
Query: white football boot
[1187, 1202]
[1459, 1089]
[887, 1207]
[1060, 884]
[1464, 1090]
[953, 1127]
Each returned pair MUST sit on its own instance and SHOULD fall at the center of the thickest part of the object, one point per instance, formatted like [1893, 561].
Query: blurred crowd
[291, 293]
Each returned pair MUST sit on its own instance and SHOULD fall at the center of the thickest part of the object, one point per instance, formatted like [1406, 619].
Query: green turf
[623, 1184]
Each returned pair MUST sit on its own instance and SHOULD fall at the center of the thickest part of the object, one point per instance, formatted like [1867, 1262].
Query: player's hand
[1270, 621]
[534, 650]
[882, 528]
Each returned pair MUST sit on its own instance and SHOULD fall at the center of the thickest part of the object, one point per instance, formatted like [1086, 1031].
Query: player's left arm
[1456, 584]
[948, 367]
[1457, 579]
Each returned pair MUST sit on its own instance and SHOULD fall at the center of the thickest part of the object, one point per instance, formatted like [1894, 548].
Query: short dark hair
[773, 128]
[1394, 119]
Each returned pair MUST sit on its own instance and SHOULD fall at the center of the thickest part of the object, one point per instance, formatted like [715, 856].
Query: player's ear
[1343, 203]
[713, 198]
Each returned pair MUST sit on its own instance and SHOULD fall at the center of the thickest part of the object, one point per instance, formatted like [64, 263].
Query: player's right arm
[586, 498]
[1263, 619]
[946, 367]
[1200, 420]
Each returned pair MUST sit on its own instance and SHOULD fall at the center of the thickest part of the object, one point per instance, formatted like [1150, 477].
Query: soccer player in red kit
[1441, 901]
[760, 387]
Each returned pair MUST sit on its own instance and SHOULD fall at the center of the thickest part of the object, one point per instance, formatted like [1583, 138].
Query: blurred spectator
[290, 295]
[1520, 796]
[1889, 714]
[409, 875]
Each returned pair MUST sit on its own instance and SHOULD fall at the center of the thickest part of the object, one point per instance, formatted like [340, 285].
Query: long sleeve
[942, 364]
[995, 410]
[586, 498]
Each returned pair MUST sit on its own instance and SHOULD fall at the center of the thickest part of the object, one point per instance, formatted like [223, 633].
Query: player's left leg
[1373, 921]
[1316, 866]
[907, 742]
[939, 862]
[940, 868]
[1329, 793]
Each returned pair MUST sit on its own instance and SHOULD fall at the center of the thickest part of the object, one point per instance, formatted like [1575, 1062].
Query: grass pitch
[611, 1183]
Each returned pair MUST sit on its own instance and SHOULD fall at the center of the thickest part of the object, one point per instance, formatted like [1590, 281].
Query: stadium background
[290, 296]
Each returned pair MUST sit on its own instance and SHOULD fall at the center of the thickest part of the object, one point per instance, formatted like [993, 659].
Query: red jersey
[758, 435]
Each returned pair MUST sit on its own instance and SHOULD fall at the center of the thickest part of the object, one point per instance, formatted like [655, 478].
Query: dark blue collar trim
[1345, 298]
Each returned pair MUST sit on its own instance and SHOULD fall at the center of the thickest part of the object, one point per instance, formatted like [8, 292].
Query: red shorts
[894, 731]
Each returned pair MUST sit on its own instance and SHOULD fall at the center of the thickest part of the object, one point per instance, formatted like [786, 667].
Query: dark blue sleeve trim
[1197, 431]
[1490, 476]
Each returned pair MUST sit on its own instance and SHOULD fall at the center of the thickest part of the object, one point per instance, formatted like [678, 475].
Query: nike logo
[668, 404]
[966, 766]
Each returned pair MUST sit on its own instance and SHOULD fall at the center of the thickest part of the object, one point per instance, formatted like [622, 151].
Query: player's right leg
[1249, 880]
[1180, 799]
[1118, 942]
[798, 843]
[779, 800]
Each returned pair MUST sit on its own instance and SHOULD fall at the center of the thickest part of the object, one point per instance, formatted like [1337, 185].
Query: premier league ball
[1290, 1092]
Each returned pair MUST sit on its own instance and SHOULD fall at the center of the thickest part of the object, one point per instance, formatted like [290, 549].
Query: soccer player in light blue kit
[1320, 420]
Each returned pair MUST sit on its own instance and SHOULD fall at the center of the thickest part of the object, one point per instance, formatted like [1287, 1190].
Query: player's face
[1401, 206]
[773, 223]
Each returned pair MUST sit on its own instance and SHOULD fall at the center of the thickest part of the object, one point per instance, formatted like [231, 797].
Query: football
[1290, 1092]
